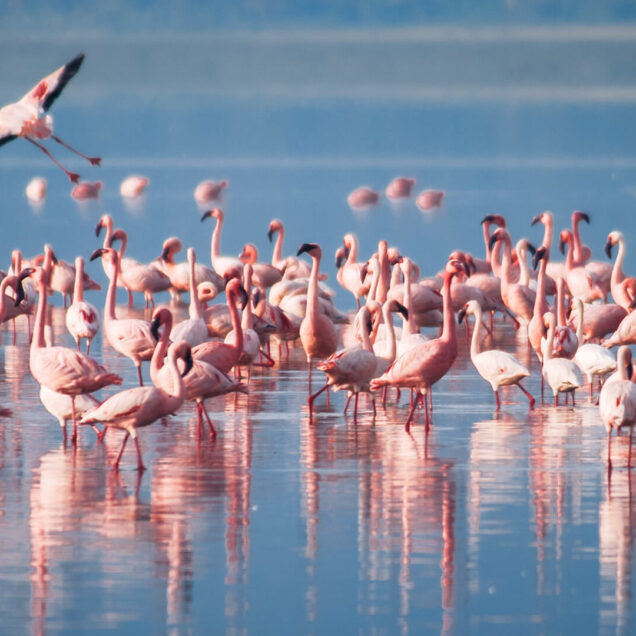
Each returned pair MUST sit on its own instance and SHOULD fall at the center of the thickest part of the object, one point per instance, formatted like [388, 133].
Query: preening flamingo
[135, 408]
[28, 118]
[617, 402]
[498, 368]
[82, 318]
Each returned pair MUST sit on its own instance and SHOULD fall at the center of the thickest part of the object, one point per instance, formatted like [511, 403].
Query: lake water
[490, 524]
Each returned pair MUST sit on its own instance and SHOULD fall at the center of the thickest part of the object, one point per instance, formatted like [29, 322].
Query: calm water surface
[492, 523]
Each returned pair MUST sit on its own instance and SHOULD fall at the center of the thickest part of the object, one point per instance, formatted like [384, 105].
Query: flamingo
[351, 270]
[82, 318]
[351, 369]
[291, 266]
[599, 319]
[129, 336]
[202, 382]
[222, 264]
[133, 186]
[498, 368]
[617, 402]
[592, 359]
[400, 188]
[86, 190]
[28, 118]
[422, 366]
[135, 408]
[601, 272]
[317, 332]
[36, 190]
[625, 333]
[179, 273]
[208, 191]
[362, 198]
[554, 270]
[194, 330]
[565, 338]
[62, 278]
[59, 368]
[11, 307]
[429, 199]
[561, 374]
[618, 280]
[580, 281]
[224, 355]
[263, 275]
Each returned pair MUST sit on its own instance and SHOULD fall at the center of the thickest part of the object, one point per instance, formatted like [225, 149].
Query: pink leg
[130, 298]
[140, 463]
[347, 404]
[497, 402]
[141, 382]
[309, 375]
[94, 161]
[73, 176]
[100, 437]
[529, 396]
[384, 390]
[573, 398]
[209, 421]
[311, 399]
[556, 400]
[609, 451]
[328, 403]
[355, 407]
[74, 415]
[199, 422]
[629, 452]
[407, 424]
[121, 450]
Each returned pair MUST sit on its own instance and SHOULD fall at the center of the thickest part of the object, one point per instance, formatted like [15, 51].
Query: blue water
[491, 524]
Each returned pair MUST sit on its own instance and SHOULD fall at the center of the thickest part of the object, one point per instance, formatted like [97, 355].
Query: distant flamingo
[422, 366]
[129, 336]
[36, 190]
[617, 402]
[400, 188]
[263, 274]
[429, 199]
[498, 368]
[135, 408]
[86, 190]
[82, 318]
[27, 118]
[208, 191]
[133, 186]
[222, 264]
[362, 197]
[61, 369]
[317, 332]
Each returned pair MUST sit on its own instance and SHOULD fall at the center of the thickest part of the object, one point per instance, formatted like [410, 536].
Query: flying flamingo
[498, 368]
[82, 318]
[317, 332]
[561, 374]
[194, 329]
[222, 264]
[202, 382]
[129, 336]
[59, 368]
[27, 118]
[135, 408]
[422, 366]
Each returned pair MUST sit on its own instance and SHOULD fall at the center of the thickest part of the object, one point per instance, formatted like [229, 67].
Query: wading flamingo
[222, 264]
[82, 318]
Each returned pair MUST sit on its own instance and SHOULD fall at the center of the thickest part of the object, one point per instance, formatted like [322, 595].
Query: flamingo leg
[141, 382]
[121, 451]
[100, 437]
[209, 421]
[311, 399]
[328, 403]
[269, 361]
[497, 401]
[140, 463]
[556, 399]
[73, 176]
[94, 161]
[375, 412]
[309, 375]
[629, 452]
[384, 390]
[347, 404]
[407, 424]
[528, 395]
[74, 415]
[609, 451]
[574, 398]
[355, 406]
[199, 422]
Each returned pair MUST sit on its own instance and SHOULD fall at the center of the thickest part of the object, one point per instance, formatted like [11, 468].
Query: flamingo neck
[312, 289]
[568, 259]
[560, 303]
[448, 325]
[496, 260]
[367, 345]
[373, 290]
[247, 320]
[408, 324]
[540, 300]
[547, 355]
[485, 228]
[277, 254]
[178, 388]
[111, 294]
[395, 276]
[215, 250]
[475, 348]
[38, 341]
[617, 271]
[236, 321]
[78, 288]
[159, 354]
[388, 321]
[576, 240]
[109, 232]
[506, 261]
[579, 326]
[353, 251]
[194, 309]
[547, 233]
[524, 270]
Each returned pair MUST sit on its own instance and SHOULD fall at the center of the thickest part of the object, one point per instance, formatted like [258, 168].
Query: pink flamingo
[36, 190]
[224, 355]
[86, 190]
[264, 275]
[422, 366]
[429, 199]
[133, 186]
[580, 282]
[618, 280]
[598, 320]
[351, 271]
[625, 333]
[317, 332]
[135, 408]
[536, 328]
[362, 198]
[129, 336]
[208, 191]
[222, 264]
[291, 266]
[82, 318]
[565, 340]
[61, 369]
[400, 188]
[27, 117]
[202, 382]
[554, 269]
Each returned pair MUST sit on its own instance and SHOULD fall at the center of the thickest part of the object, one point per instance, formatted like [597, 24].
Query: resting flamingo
[223, 265]
[129, 336]
[498, 368]
[422, 366]
[135, 408]
[617, 402]
[263, 274]
[82, 318]
[28, 118]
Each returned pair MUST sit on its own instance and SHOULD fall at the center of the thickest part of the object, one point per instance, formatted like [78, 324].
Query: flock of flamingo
[288, 300]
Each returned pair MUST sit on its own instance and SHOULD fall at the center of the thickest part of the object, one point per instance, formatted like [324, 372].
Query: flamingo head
[16, 283]
[498, 235]
[579, 215]
[542, 253]
[237, 291]
[181, 350]
[565, 237]
[274, 226]
[613, 238]
[396, 307]
[313, 249]
[341, 257]
[394, 256]
[105, 252]
[455, 266]
[118, 235]
[495, 219]
[170, 247]
[161, 317]
[544, 217]
[105, 221]
[249, 254]
[215, 213]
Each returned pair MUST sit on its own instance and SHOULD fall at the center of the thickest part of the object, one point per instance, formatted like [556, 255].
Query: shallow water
[492, 522]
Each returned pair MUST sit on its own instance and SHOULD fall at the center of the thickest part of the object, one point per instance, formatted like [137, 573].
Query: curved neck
[495, 260]
[109, 232]
[547, 233]
[388, 321]
[547, 354]
[236, 321]
[568, 258]
[576, 239]
[159, 354]
[474, 343]
[40, 318]
[448, 328]
[579, 326]
[312, 289]
[111, 294]
[195, 309]
[277, 254]
[178, 389]
[215, 251]
[353, 251]
[617, 271]
[78, 289]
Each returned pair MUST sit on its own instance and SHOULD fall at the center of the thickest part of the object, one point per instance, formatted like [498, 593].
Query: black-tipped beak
[369, 325]
[305, 247]
[492, 240]
[256, 297]
[165, 253]
[98, 228]
[189, 363]
[489, 218]
[465, 268]
[544, 329]
[531, 248]
[26, 272]
[97, 253]
[206, 214]
[461, 314]
[270, 234]
[243, 297]
[633, 303]
[537, 256]
[363, 272]
[53, 258]
[608, 249]
[19, 294]
[630, 371]
[402, 310]
[154, 328]
[585, 217]
[536, 219]
[562, 246]
[340, 259]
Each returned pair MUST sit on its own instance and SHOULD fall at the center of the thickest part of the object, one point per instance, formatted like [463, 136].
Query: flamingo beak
[608, 248]
[630, 371]
[489, 218]
[584, 216]
[537, 256]
[243, 297]
[189, 363]
[402, 310]
[97, 253]
[340, 258]
[536, 219]
[305, 247]
[206, 214]
[98, 228]
[461, 314]
[492, 240]
[256, 297]
[531, 248]
[562, 246]
[154, 328]
[363, 272]
[19, 293]
[270, 234]
[165, 253]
